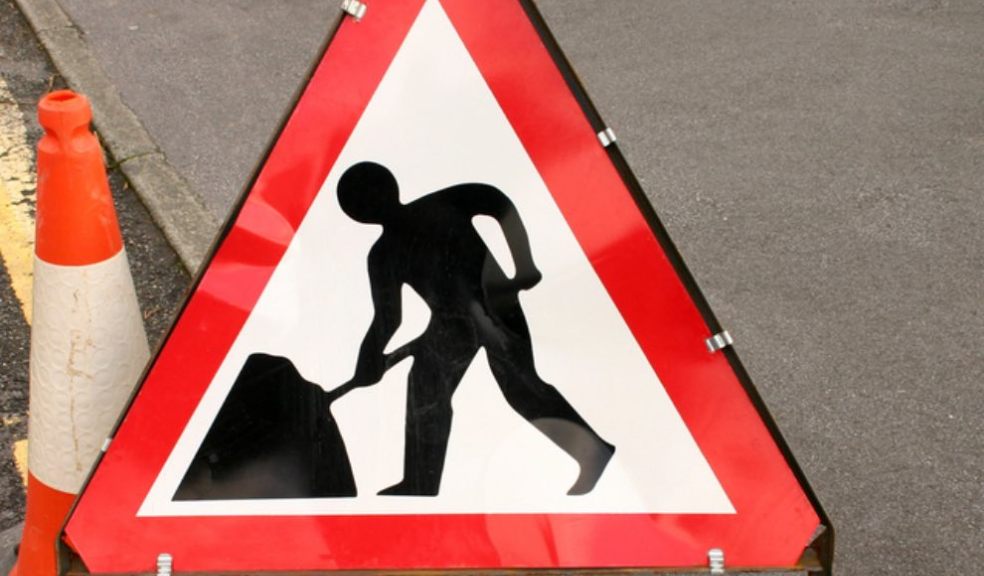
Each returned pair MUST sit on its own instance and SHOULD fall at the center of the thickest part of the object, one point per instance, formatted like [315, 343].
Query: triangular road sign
[359, 379]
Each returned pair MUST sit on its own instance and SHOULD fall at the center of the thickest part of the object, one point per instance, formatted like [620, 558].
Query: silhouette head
[368, 193]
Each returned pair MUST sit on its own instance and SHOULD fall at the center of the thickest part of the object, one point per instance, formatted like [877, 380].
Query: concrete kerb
[177, 210]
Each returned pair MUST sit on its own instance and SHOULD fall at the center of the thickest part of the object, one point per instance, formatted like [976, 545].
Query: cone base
[46, 512]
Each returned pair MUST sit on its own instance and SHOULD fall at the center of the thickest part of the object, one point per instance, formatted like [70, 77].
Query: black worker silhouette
[431, 245]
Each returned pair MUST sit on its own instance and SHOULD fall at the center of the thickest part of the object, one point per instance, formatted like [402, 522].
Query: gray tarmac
[228, 69]
[820, 165]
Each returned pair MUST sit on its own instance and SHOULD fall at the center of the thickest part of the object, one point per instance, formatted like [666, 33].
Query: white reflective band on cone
[88, 347]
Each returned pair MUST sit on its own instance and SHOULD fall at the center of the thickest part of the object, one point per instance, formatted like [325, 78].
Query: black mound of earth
[274, 437]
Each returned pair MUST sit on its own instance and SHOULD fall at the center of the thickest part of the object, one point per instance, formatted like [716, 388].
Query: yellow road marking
[20, 458]
[17, 189]
[17, 252]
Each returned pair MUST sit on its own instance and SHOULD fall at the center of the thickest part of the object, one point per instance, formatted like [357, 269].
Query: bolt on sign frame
[777, 524]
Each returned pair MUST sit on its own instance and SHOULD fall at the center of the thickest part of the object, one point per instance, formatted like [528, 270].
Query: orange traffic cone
[88, 344]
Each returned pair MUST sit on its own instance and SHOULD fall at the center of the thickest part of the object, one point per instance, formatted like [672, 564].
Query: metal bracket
[719, 341]
[354, 8]
[715, 559]
[164, 564]
[607, 137]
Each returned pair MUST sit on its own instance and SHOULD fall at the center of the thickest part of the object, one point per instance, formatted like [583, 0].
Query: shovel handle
[389, 360]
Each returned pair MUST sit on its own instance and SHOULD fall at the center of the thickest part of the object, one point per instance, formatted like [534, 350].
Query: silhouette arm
[489, 201]
[388, 309]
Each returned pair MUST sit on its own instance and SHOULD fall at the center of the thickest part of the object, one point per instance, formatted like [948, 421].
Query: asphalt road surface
[25, 74]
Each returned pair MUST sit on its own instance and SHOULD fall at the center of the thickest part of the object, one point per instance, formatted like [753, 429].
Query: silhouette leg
[511, 360]
[433, 380]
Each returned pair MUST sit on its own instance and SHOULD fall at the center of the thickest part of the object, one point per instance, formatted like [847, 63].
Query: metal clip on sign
[719, 341]
[165, 565]
[606, 137]
[354, 8]
[715, 559]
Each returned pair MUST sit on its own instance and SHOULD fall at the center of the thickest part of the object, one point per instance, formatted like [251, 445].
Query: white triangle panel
[434, 123]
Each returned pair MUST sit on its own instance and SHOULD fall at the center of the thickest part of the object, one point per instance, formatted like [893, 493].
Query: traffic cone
[88, 344]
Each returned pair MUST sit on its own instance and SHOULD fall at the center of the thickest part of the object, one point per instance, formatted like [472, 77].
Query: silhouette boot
[583, 445]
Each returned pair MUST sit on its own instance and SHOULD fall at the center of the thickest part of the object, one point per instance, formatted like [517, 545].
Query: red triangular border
[776, 514]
